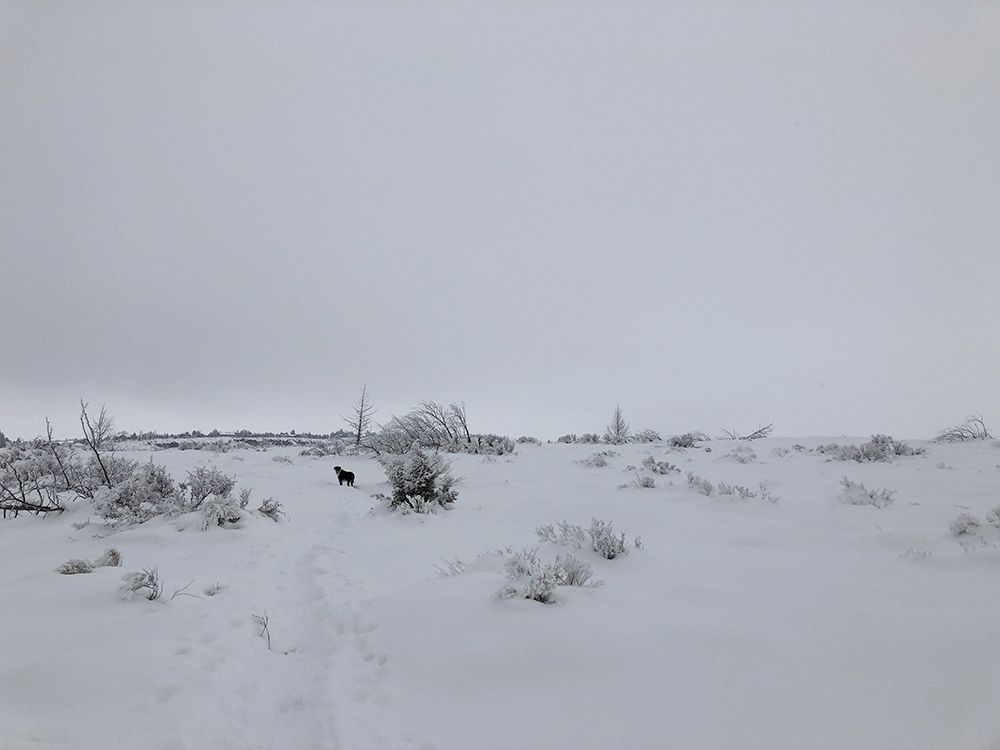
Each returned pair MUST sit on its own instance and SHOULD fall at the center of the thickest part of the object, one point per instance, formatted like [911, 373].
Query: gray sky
[233, 214]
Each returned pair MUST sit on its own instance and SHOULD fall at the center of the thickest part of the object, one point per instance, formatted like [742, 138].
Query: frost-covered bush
[590, 438]
[529, 439]
[745, 493]
[879, 448]
[687, 440]
[146, 492]
[220, 511]
[743, 454]
[325, 448]
[271, 508]
[530, 578]
[993, 516]
[964, 524]
[571, 571]
[147, 583]
[642, 482]
[605, 541]
[659, 467]
[855, 493]
[598, 460]
[523, 563]
[110, 558]
[281, 459]
[568, 438]
[75, 567]
[700, 484]
[973, 428]
[205, 481]
[565, 533]
[646, 436]
[420, 482]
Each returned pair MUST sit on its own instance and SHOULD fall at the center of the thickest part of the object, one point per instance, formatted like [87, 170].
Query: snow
[802, 623]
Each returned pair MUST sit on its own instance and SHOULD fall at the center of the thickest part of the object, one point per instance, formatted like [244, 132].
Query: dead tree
[97, 434]
[759, 433]
[360, 423]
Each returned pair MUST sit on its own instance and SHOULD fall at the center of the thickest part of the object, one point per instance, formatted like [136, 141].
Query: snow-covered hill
[742, 623]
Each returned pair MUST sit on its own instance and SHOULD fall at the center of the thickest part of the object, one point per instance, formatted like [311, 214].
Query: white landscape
[225, 219]
[785, 618]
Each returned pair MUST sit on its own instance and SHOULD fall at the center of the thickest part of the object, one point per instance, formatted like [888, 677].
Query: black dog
[344, 476]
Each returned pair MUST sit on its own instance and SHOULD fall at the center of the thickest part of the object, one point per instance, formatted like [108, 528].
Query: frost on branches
[420, 482]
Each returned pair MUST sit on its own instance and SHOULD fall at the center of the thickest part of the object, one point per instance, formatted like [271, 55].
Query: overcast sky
[233, 214]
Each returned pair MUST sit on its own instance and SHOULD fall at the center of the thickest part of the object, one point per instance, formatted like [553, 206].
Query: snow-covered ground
[806, 623]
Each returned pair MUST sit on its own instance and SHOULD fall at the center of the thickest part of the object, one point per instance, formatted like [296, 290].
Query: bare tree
[364, 409]
[617, 431]
[66, 472]
[460, 419]
[759, 433]
[439, 419]
[97, 434]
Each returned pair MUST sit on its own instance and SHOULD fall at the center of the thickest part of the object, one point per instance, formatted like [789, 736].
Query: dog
[344, 476]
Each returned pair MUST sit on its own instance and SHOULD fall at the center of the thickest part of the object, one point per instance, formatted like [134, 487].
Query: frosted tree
[361, 421]
[617, 431]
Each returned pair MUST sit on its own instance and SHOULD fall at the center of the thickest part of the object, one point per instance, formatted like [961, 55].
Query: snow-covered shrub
[325, 448]
[281, 459]
[271, 508]
[529, 439]
[568, 438]
[244, 498]
[973, 428]
[146, 492]
[745, 493]
[879, 448]
[964, 524]
[855, 493]
[743, 454]
[420, 482]
[658, 467]
[530, 578]
[74, 567]
[220, 511]
[567, 534]
[993, 516]
[590, 438]
[523, 563]
[146, 582]
[205, 481]
[642, 482]
[598, 460]
[687, 440]
[700, 484]
[605, 541]
[213, 589]
[735, 489]
[646, 436]
[110, 558]
[571, 571]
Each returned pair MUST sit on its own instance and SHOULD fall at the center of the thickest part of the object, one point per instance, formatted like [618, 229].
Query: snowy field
[741, 623]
